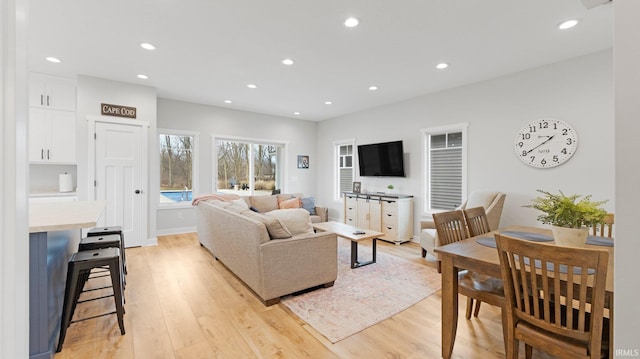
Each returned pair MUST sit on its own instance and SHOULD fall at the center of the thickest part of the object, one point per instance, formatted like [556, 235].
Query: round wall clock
[546, 143]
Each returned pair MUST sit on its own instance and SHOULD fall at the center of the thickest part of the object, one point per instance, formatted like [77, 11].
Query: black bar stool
[104, 231]
[79, 267]
[104, 241]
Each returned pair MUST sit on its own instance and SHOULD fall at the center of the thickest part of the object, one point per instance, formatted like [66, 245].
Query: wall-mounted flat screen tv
[381, 159]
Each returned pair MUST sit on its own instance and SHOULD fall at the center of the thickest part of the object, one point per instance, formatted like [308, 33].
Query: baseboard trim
[178, 230]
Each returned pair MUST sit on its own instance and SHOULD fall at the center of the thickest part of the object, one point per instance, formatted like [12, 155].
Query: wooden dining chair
[477, 224]
[537, 310]
[452, 227]
[604, 229]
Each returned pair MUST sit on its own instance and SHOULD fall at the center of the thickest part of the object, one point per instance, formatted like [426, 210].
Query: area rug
[363, 296]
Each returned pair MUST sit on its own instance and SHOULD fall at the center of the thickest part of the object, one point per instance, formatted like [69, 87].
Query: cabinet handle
[47, 154]
[41, 100]
[47, 100]
[42, 154]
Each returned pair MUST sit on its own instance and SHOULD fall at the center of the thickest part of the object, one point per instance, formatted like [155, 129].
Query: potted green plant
[570, 216]
[390, 188]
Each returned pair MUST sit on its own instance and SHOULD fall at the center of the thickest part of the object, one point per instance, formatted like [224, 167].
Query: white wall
[299, 135]
[578, 91]
[14, 179]
[92, 92]
[627, 109]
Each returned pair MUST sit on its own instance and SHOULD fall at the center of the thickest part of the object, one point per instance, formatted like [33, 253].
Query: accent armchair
[492, 203]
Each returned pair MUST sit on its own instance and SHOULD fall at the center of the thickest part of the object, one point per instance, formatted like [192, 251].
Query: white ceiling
[209, 50]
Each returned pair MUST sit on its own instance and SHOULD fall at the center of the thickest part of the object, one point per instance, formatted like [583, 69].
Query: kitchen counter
[57, 216]
[55, 230]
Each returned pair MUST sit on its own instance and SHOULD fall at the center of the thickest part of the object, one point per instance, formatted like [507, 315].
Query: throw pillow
[275, 227]
[290, 203]
[297, 220]
[309, 203]
[264, 204]
[240, 202]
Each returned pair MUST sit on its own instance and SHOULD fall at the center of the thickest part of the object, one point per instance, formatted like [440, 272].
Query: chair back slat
[477, 221]
[557, 289]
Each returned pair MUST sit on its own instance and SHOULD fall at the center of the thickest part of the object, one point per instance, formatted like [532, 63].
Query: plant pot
[570, 237]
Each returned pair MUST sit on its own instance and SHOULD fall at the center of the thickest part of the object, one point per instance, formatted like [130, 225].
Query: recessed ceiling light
[351, 22]
[227, 101]
[568, 24]
[442, 66]
[53, 59]
[147, 46]
[373, 88]
[328, 102]
[287, 62]
[251, 86]
[144, 77]
[296, 113]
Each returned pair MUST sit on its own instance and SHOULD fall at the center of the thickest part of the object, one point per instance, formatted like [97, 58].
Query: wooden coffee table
[349, 232]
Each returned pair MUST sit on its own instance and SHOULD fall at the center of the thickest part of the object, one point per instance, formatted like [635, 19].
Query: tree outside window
[176, 168]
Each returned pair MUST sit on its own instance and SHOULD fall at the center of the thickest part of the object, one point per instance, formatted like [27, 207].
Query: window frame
[194, 166]
[337, 194]
[426, 133]
[251, 141]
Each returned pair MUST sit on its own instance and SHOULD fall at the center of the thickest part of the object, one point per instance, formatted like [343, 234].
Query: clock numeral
[526, 136]
[565, 131]
[555, 158]
[569, 141]
[555, 126]
[533, 158]
[531, 129]
[543, 162]
[524, 153]
[564, 151]
[543, 125]
[520, 144]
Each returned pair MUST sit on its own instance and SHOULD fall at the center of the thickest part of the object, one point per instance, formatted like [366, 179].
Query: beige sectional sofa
[271, 258]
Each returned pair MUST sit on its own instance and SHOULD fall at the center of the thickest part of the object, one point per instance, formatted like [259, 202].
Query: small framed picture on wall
[303, 161]
[356, 187]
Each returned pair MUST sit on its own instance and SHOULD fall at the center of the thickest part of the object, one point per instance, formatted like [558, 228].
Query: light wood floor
[181, 303]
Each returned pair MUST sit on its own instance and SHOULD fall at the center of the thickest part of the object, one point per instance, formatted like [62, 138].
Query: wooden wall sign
[117, 110]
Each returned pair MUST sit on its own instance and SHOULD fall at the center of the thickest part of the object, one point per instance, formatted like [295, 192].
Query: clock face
[546, 143]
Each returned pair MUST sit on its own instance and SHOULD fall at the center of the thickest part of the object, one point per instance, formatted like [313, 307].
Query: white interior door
[119, 177]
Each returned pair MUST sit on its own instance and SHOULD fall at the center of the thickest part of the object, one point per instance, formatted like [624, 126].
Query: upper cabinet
[52, 92]
[52, 120]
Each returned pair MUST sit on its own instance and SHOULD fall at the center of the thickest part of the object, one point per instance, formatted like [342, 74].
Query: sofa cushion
[290, 203]
[275, 227]
[264, 204]
[296, 220]
[309, 203]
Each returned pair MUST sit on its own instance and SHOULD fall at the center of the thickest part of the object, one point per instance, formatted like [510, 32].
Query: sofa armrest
[323, 212]
[298, 263]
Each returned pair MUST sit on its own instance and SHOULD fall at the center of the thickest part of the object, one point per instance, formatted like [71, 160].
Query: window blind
[446, 178]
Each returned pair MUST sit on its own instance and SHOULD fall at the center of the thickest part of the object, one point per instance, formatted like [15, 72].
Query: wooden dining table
[471, 255]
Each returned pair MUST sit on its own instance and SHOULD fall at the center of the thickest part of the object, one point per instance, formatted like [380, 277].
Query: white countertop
[44, 217]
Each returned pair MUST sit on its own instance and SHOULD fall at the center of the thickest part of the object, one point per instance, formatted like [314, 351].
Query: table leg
[374, 249]
[449, 306]
[354, 254]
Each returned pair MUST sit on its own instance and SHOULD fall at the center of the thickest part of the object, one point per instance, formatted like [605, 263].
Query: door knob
[138, 191]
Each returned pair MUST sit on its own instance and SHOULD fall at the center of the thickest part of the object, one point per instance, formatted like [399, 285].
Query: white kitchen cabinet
[52, 92]
[52, 136]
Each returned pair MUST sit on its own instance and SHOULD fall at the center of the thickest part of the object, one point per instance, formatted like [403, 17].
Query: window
[177, 170]
[445, 167]
[344, 167]
[248, 167]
